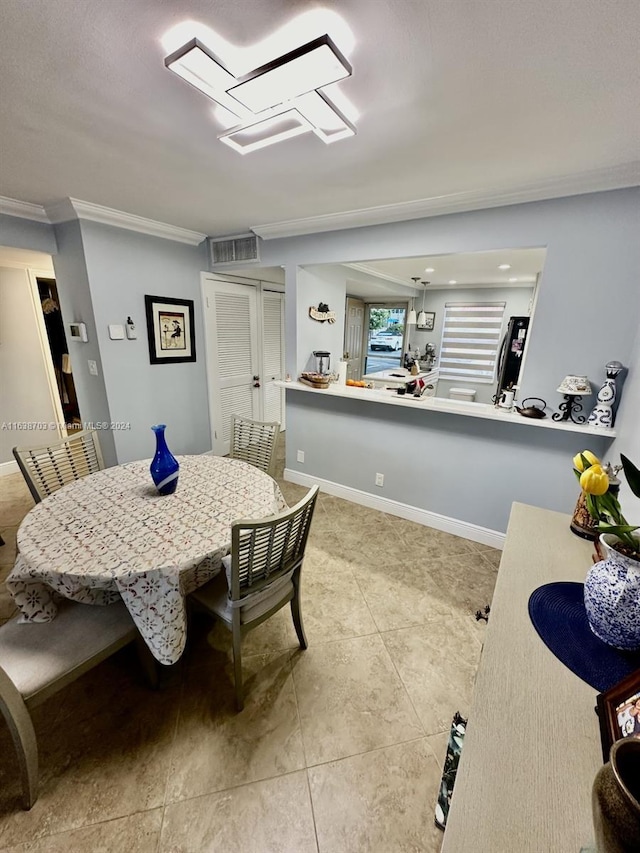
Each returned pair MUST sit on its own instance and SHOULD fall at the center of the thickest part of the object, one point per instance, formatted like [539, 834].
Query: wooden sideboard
[532, 747]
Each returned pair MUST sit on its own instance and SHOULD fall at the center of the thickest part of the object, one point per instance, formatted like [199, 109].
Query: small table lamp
[573, 388]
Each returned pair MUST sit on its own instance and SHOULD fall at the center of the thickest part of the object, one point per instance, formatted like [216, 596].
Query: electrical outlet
[379, 479]
[301, 456]
[93, 367]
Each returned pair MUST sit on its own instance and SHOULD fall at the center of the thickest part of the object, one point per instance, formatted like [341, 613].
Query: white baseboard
[483, 535]
[8, 468]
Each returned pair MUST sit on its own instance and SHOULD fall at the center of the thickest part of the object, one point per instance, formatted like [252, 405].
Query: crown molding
[597, 180]
[383, 275]
[23, 209]
[73, 208]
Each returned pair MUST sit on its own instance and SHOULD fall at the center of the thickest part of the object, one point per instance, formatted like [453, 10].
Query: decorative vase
[602, 414]
[616, 799]
[612, 598]
[582, 522]
[164, 466]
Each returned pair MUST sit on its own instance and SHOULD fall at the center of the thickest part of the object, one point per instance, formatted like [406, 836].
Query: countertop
[439, 404]
[391, 375]
[532, 747]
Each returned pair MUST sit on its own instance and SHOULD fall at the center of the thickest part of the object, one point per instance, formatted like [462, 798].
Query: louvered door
[273, 355]
[233, 358]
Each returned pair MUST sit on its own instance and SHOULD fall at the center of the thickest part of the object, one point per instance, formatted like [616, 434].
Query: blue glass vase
[164, 467]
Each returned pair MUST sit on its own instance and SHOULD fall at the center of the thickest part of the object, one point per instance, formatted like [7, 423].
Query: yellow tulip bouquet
[603, 504]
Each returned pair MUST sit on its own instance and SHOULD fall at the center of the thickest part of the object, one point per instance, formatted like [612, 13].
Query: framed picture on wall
[429, 322]
[170, 329]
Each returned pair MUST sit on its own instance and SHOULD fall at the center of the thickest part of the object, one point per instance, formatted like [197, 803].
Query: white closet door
[232, 358]
[273, 355]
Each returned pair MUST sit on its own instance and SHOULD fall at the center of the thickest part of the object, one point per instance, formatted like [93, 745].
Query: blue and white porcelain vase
[164, 466]
[612, 598]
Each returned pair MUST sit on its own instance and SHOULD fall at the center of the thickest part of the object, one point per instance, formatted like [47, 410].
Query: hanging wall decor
[170, 328]
[322, 313]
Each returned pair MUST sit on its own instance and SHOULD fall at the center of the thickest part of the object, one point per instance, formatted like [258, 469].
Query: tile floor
[338, 749]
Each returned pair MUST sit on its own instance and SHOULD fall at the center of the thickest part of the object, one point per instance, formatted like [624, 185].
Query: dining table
[111, 536]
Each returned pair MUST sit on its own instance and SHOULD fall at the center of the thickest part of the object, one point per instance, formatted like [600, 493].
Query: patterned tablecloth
[111, 535]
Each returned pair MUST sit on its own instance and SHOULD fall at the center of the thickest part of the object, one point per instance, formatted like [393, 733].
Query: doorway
[386, 335]
[57, 341]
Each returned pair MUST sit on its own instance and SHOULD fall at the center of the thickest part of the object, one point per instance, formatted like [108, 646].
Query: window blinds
[470, 340]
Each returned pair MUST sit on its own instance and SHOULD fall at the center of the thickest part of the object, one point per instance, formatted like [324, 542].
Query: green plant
[602, 502]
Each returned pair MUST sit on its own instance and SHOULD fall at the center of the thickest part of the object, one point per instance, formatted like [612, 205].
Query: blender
[323, 361]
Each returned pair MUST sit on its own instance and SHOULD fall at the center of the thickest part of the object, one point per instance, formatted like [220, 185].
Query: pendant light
[411, 319]
[422, 317]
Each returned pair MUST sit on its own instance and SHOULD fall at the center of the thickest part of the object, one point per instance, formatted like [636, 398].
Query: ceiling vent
[234, 250]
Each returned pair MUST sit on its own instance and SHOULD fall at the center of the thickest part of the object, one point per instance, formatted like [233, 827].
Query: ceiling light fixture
[283, 95]
[258, 134]
[328, 122]
[504, 267]
[453, 281]
[513, 278]
[422, 317]
[411, 319]
[305, 69]
[200, 67]
[429, 269]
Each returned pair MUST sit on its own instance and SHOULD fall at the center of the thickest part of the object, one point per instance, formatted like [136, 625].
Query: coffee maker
[323, 361]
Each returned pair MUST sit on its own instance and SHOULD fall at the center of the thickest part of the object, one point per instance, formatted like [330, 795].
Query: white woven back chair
[51, 466]
[255, 442]
[261, 575]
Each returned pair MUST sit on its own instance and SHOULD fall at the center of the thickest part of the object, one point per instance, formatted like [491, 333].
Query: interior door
[273, 355]
[353, 337]
[233, 357]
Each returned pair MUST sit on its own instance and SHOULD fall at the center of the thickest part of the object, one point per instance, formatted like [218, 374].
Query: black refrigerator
[511, 350]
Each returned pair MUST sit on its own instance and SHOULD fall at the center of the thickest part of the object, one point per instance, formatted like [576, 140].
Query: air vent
[234, 250]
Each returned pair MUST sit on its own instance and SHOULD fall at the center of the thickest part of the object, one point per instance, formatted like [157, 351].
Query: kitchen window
[471, 340]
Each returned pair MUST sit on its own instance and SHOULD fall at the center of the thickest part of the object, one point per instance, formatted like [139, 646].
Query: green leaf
[611, 505]
[632, 474]
[592, 506]
[616, 528]
[585, 462]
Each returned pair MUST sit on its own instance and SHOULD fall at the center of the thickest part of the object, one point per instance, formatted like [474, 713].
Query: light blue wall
[122, 267]
[77, 306]
[25, 234]
[103, 274]
[587, 314]
[313, 287]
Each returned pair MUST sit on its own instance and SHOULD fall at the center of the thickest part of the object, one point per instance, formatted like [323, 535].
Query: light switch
[93, 367]
[116, 333]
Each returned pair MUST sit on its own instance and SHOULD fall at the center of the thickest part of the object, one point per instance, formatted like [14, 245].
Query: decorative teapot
[532, 411]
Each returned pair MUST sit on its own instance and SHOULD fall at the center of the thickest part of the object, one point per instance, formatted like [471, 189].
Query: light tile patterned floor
[339, 748]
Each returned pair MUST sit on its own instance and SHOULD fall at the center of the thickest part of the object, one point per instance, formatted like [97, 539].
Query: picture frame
[170, 329]
[619, 711]
[429, 322]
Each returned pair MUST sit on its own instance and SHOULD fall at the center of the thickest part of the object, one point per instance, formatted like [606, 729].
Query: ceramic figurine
[602, 414]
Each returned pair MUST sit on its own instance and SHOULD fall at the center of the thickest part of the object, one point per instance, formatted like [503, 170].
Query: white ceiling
[469, 268]
[455, 96]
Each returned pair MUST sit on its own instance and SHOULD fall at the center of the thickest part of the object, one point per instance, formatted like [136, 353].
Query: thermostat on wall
[78, 332]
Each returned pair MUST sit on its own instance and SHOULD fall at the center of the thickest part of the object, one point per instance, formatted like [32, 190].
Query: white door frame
[52, 382]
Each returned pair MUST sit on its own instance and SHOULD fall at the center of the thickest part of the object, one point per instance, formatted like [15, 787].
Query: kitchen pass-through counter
[438, 404]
